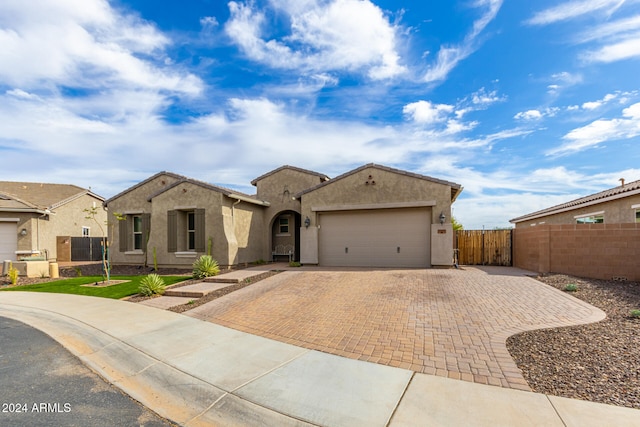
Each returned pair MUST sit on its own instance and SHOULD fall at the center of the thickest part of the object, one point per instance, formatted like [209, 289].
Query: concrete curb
[198, 373]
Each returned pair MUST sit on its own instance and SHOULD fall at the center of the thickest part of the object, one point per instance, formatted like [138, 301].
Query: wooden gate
[484, 247]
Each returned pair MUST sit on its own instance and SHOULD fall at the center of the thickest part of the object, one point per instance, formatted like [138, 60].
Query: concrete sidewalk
[198, 373]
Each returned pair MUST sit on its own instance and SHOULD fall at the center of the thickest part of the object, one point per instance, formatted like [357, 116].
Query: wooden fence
[484, 247]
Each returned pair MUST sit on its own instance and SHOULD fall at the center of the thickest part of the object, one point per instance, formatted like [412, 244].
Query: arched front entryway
[285, 236]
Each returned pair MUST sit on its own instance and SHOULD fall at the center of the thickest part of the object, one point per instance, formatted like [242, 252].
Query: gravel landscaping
[599, 362]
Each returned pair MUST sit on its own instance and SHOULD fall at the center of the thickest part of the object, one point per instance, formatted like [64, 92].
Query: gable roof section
[456, 189]
[619, 192]
[226, 191]
[142, 183]
[322, 176]
[39, 196]
[182, 179]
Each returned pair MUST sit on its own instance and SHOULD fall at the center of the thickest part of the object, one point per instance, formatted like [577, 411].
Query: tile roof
[34, 195]
[625, 190]
[322, 176]
[179, 179]
[456, 189]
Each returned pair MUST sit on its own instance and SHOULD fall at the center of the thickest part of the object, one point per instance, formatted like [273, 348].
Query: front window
[191, 231]
[283, 225]
[637, 215]
[591, 219]
[137, 232]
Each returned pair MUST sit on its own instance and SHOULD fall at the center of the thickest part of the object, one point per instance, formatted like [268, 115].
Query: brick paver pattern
[451, 323]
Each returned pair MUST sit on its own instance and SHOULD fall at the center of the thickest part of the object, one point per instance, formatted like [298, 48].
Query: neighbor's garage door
[376, 238]
[8, 241]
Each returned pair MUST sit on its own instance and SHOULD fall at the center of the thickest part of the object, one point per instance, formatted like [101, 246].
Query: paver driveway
[451, 323]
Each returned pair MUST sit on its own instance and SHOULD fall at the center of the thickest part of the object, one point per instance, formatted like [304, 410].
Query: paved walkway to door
[451, 323]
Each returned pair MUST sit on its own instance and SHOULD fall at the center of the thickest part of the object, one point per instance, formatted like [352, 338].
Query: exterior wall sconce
[442, 218]
[23, 232]
[307, 222]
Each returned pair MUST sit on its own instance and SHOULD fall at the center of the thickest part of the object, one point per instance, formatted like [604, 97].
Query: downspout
[233, 213]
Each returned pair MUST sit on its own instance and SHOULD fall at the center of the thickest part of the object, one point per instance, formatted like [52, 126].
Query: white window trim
[135, 252]
[186, 254]
[635, 206]
[134, 232]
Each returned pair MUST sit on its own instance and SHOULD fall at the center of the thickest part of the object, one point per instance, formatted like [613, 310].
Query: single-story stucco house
[371, 216]
[616, 205]
[596, 236]
[33, 215]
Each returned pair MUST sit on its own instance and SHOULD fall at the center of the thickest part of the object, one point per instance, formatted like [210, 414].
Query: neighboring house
[617, 205]
[596, 236]
[33, 215]
[371, 216]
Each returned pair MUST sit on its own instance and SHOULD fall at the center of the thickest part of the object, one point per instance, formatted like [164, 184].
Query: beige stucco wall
[135, 201]
[389, 188]
[234, 229]
[66, 220]
[244, 229]
[188, 196]
[615, 212]
[279, 190]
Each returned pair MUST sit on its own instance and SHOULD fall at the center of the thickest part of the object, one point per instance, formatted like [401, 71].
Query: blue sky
[525, 104]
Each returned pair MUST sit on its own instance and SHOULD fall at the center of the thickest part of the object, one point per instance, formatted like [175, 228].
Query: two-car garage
[375, 237]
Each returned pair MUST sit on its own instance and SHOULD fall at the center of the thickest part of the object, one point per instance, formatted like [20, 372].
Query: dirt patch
[599, 362]
[105, 283]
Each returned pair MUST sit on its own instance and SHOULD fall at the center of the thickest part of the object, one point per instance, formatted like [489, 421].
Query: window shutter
[200, 230]
[172, 231]
[123, 235]
[146, 229]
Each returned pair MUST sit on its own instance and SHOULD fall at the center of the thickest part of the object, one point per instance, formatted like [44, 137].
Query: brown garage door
[376, 238]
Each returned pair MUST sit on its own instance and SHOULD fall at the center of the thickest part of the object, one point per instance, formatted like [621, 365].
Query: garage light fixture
[307, 222]
[442, 218]
[23, 232]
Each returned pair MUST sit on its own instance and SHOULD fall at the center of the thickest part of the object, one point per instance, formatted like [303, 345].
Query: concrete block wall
[599, 251]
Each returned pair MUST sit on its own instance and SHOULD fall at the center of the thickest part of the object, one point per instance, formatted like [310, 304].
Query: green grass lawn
[74, 286]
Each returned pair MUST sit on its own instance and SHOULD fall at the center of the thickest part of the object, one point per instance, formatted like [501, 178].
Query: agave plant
[205, 266]
[152, 285]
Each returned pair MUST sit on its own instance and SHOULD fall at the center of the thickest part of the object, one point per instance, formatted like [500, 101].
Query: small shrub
[295, 264]
[78, 271]
[260, 262]
[571, 287]
[13, 274]
[152, 284]
[635, 313]
[205, 266]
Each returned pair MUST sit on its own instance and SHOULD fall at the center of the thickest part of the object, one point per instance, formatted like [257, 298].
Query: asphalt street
[42, 384]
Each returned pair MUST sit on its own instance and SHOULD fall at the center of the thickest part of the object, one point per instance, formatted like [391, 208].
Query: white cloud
[425, 112]
[613, 29]
[626, 49]
[83, 44]
[601, 130]
[449, 56]
[618, 39]
[323, 37]
[208, 22]
[534, 114]
[528, 115]
[573, 9]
